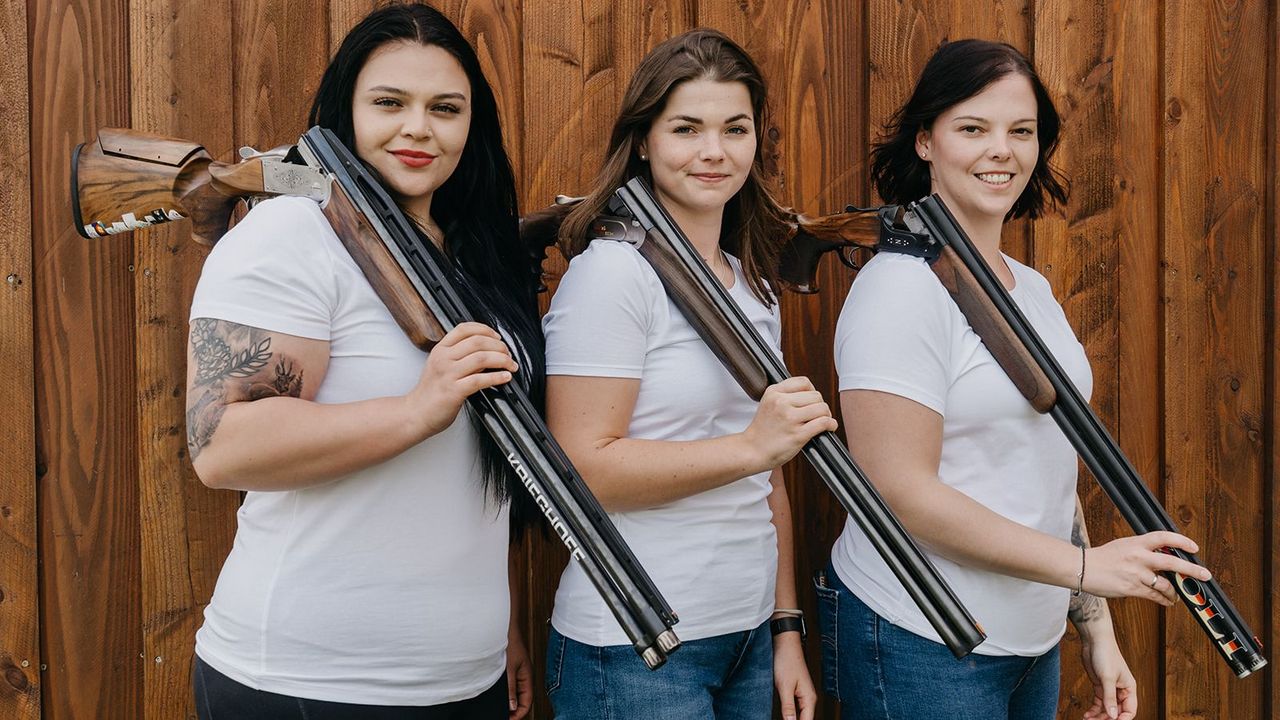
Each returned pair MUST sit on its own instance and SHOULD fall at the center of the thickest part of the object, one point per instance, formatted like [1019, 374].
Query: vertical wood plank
[187, 528]
[281, 49]
[1271, 537]
[343, 15]
[578, 56]
[562, 109]
[1214, 285]
[1102, 258]
[19, 602]
[813, 56]
[904, 33]
[86, 427]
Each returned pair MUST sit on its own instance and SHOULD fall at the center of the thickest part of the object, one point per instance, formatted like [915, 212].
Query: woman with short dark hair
[985, 483]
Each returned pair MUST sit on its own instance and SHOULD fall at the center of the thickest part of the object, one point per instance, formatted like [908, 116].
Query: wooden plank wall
[1165, 261]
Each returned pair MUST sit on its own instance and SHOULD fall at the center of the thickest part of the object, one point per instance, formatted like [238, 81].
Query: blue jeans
[727, 676]
[879, 671]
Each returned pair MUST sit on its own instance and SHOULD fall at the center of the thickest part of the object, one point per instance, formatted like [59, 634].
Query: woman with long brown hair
[686, 463]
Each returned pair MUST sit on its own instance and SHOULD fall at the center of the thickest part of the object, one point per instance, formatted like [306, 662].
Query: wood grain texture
[1271, 484]
[813, 55]
[281, 49]
[1101, 256]
[1213, 252]
[86, 430]
[186, 528]
[1165, 260]
[20, 658]
[343, 15]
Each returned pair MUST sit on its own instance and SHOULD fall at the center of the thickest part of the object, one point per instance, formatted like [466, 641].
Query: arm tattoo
[231, 364]
[1084, 608]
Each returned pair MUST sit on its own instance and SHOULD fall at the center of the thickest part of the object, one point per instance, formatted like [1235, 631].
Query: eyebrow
[698, 121]
[982, 119]
[397, 91]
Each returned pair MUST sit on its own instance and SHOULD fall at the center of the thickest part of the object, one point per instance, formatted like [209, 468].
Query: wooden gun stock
[128, 180]
[382, 271]
[812, 237]
[995, 333]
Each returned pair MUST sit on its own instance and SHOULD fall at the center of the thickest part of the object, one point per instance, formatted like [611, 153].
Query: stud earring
[644, 158]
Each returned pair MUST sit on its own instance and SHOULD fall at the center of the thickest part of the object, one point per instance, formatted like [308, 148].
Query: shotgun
[418, 284]
[707, 306]
[927, 229]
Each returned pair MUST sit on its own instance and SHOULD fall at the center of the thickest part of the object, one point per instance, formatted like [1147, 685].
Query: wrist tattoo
[1084, 608]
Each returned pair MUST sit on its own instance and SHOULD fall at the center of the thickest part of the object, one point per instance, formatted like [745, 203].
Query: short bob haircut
[753, 226]
[956, 72]
[475, 208]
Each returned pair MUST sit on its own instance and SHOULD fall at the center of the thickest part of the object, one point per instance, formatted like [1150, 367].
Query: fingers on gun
[479, 357]
[803, 406]
[1165, 539]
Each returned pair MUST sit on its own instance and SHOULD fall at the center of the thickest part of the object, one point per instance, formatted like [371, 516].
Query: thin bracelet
[1079, 578]
[794, 612]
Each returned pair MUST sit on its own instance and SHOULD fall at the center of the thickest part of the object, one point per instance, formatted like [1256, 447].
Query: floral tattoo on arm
[232, 363]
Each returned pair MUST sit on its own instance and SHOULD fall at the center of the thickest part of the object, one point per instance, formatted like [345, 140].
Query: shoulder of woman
[278, 222]
[898, 275]
[285, 235]
[611, 263]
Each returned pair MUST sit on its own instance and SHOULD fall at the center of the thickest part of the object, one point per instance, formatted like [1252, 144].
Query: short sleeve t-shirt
[387, 586]
[901, 333]
[713, 555]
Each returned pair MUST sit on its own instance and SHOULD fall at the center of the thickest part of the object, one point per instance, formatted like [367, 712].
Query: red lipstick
[414, 158]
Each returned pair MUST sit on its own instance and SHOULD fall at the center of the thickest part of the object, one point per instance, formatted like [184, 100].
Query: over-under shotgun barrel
[734, 340]
[1209, 605]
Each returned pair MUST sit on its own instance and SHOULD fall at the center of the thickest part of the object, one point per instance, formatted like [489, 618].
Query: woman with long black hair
[369, 575]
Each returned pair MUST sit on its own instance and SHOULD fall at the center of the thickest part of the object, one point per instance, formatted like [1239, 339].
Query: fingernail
[1206, 576]
[1112, 712]
[511, 705]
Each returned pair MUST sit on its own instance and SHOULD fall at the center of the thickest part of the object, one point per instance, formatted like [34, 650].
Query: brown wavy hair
[754, 225]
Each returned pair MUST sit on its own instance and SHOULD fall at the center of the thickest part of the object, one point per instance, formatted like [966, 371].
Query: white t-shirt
[387, 586]
[712, 555]
[900, 333]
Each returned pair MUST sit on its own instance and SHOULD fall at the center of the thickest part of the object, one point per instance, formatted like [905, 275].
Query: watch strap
[788, 624]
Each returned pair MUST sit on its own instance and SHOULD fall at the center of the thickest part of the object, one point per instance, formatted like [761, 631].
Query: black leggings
[218, 697]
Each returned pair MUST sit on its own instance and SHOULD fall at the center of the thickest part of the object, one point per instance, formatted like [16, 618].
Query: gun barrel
[1209, 605]
[511, 419]
[825, 453]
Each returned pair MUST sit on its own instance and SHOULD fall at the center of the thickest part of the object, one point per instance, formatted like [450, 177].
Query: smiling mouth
[414, 158]
[710, 177]
[995, 178]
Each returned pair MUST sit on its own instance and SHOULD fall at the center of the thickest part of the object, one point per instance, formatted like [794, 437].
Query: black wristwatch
[788, 624]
